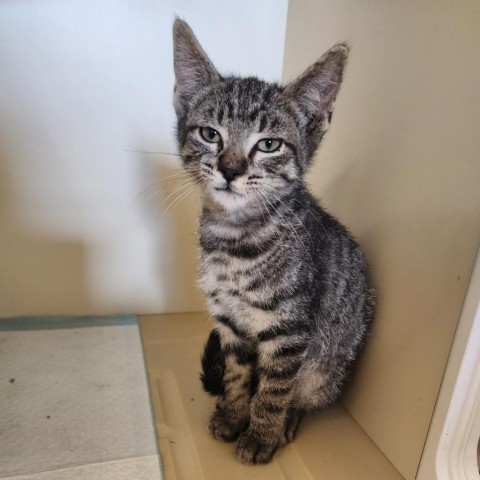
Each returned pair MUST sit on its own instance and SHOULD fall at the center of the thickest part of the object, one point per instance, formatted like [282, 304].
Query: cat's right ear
[193, 69]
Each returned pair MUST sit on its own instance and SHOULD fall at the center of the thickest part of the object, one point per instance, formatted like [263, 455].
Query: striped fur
[285, 283]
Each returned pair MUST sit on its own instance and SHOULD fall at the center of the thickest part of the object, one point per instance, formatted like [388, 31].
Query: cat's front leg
[231, 415]
[271, 407]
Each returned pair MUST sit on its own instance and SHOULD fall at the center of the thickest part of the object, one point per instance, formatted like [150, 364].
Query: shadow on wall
[132, 265]
[172, 202]
[37, 271]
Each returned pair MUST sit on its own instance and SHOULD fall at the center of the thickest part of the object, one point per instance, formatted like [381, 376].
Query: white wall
[401, 167]
[81, 83]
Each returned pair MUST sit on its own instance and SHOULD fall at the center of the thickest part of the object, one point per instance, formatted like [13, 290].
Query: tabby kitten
[285, 283]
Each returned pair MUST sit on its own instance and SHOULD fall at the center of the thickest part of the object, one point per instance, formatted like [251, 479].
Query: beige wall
[401, 167]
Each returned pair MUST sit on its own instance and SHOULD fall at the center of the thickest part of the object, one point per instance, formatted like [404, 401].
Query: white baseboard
[451, 448]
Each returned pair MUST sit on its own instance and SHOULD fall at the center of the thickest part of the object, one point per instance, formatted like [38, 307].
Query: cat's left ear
[316, 89]
[193, 69]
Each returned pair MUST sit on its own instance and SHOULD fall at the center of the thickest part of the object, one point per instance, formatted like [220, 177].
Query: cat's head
[247, 141]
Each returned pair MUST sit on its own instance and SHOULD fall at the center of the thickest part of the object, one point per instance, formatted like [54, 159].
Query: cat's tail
[213, 366]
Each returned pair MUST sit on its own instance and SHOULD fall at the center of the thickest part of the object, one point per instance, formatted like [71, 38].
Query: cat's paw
[253, 449]
[226, 426]
[294, 418]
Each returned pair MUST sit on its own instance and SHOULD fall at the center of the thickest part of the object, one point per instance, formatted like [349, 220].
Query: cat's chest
[222, 273]
[231, 258]
[227, 284]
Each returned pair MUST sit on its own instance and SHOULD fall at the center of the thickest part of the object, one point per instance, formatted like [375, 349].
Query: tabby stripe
[290, 350]
[230, 109]
[275, 169]
[250, 251]
[274, 302]
[285, 330]
[266, 263]
[217, 260]
[296, 116]
[268, 95]
[270, 260]
[238, 397]
[229, 86]
[291, 147]
[224, 320]
[274, 123]
[246, 384]
[255, 284]
[263, 123]
[228, 241]
[267, 306]
[281, 373]
[254, 115]
[242, 354]
[276, 331]
[277, 391]
[247, 251]
[220, 116]
[272, 408]
[232, 378]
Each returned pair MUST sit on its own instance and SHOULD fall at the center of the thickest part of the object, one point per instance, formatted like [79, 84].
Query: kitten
[285, 283]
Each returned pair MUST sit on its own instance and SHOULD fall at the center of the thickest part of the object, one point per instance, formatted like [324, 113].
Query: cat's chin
[228, 199]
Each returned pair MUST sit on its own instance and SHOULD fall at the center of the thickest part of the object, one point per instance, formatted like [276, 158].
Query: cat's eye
[269, 145]
[210, 134]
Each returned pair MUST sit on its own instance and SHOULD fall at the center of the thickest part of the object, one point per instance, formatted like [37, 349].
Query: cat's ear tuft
[193, 69]
[316, 89]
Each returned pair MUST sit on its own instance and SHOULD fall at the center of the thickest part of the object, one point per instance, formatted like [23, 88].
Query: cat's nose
[232, 167]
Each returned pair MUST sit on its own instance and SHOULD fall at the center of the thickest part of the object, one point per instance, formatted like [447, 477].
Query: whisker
[271, 218]
[178, 176]
[182, 195]
[272, 189]
[295, 215]
[176, 191]
[289, 225]
[146, 152]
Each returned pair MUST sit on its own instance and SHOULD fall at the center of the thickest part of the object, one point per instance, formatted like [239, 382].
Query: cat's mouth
[228, 190]
[229, 197]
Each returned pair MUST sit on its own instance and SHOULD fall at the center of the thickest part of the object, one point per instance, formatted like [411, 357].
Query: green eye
[210, 134]
[269, 145]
